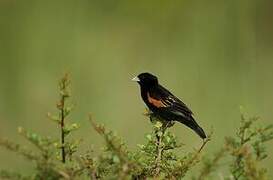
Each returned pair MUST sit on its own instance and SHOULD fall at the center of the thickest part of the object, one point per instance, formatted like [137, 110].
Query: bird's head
[146, 80]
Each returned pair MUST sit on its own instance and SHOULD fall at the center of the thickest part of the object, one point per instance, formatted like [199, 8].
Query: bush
[55, 158]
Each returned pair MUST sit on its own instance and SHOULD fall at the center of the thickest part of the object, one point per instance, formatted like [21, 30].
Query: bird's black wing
[172, 102]
[165, 101]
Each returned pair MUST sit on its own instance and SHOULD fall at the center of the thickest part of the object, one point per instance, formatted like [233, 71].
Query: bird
[164, 104]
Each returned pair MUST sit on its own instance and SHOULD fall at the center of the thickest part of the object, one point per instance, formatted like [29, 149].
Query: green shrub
[55, 158]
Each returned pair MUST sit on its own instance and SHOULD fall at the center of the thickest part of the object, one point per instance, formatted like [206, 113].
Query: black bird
[164, 104]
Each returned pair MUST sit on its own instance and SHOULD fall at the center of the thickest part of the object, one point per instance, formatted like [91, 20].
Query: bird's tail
[191, 123]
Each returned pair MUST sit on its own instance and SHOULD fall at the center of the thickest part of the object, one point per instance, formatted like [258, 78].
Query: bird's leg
[170, 123]
[153, 117]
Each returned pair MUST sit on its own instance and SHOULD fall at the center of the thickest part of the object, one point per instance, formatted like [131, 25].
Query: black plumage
[164, 104]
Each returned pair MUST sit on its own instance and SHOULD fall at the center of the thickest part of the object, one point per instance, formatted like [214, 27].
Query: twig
[205, 141]
[160, 148]
[62, 129]
[61, 106]
[159, 154]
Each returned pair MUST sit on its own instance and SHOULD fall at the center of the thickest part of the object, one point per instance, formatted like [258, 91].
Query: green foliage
[246, 151]
[115, 162]
[157, 158]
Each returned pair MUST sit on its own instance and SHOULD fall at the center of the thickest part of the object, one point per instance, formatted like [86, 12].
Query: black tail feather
[191, 123]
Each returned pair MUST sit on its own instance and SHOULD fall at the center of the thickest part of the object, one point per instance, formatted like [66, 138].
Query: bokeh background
[216, 55]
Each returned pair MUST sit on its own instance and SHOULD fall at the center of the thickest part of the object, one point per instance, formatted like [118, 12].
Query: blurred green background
[215, 55]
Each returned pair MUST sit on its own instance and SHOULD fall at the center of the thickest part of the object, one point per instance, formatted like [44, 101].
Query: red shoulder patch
[157, 103]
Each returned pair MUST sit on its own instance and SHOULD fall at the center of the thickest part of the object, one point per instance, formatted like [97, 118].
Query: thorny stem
[61, 105]
[160, 147]
[159, 153]
[62, 128]
[243, 140]
[205, 141]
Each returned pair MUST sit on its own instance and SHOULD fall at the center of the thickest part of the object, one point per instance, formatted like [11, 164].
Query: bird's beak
[136, 79]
